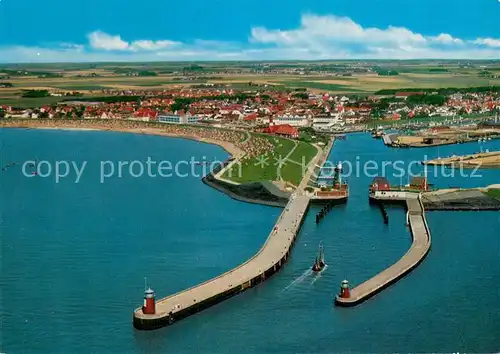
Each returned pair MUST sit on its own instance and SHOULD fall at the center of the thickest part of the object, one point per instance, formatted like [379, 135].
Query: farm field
[336, 77]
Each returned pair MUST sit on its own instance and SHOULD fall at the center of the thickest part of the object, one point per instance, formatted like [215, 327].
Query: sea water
[74, 258]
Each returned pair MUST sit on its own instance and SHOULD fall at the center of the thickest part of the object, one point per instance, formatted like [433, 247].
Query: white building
[327, 122]
[293, 120]
[175, 119]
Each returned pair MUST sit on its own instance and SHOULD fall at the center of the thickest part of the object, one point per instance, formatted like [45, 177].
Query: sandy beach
[132, 127]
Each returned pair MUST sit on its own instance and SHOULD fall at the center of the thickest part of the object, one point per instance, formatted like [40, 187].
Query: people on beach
[251, 145]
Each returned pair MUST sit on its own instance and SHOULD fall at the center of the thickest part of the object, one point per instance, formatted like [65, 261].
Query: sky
[163, 30]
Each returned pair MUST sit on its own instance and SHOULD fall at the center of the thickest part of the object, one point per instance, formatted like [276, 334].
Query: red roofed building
[283, 130]
[380, 184]
[251, 117]
[146, 113]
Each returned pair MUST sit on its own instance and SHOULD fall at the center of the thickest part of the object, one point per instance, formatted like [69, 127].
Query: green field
[333, 76]
[319, 86]
[339, 77]
[493, 192]
[166, 82]
[83, 87]
[252, 170]
[23, 102]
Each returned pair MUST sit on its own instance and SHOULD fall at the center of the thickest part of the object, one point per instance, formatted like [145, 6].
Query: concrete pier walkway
[417, 252]
[267, 261]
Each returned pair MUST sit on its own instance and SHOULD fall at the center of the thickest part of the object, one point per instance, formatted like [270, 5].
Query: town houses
[272, 111]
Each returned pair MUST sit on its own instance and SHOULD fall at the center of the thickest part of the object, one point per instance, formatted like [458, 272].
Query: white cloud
[333, 29]
[101, 40]
[445, 38]
[490, 42]
[340, 37]
[317, 37]
[151, 45]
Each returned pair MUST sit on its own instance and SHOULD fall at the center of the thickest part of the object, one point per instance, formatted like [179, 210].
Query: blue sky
[99, 30]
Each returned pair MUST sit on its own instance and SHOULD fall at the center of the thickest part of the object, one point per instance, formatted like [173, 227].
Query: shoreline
[253, 192]
[230, 148]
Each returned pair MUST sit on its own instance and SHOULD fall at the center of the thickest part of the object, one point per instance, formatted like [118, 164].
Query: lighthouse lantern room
[149, 302]
[344, 289]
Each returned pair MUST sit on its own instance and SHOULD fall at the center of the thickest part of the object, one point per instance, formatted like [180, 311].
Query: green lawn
[493, 192]
[292, 173]
[251, 170]
[304, 152]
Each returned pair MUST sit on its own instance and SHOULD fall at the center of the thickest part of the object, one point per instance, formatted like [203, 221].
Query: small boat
[319, 262]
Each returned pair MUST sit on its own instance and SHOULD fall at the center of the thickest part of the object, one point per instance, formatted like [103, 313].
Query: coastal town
[281, 112]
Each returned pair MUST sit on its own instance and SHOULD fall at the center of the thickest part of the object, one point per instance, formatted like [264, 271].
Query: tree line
[441, 91]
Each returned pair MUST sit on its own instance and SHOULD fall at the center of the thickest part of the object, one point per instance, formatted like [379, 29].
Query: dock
[413, 257]
[389, 138]
[266, 262]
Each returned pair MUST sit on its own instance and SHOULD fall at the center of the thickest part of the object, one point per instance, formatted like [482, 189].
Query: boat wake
[318, 274]
[299, 279]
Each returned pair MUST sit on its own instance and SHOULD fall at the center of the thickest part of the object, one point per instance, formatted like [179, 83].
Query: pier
[266, 262]
[417, 252]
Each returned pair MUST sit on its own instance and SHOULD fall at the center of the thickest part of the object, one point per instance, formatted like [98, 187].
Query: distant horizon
[256, 61]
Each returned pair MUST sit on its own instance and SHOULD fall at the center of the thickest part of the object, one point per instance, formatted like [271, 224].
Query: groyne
[414, 256]
[268, 260]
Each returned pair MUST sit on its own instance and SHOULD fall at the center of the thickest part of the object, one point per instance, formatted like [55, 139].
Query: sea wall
[419, 249]
[256, 192]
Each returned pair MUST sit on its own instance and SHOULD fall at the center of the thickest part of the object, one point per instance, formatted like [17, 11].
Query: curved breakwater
[413, 257]
[264, 264]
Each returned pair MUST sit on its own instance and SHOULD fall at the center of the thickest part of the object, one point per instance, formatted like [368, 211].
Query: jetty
[416, 254]
[482, 159]
[266, 262]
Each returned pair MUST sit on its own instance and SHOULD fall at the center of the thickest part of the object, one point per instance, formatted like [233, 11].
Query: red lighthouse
[344, 289]
[149, 302]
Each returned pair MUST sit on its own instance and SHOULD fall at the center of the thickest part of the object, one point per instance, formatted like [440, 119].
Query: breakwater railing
[413, 257]
[267, 261]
